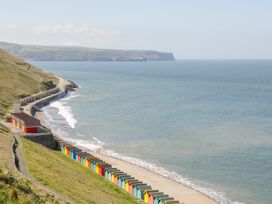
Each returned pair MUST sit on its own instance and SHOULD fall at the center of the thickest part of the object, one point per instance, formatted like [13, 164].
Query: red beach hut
[101, 168]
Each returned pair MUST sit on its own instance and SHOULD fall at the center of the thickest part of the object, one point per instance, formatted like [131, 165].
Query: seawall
[46, 137]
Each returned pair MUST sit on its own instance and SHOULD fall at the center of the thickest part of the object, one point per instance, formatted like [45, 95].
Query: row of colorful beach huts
[130, 184]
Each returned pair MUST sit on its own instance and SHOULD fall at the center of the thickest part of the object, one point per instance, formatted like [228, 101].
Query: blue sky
[192, 29]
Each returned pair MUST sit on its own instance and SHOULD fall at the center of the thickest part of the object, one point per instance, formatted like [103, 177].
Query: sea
[203, 123]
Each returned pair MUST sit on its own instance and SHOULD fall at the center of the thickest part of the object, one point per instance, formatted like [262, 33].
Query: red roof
[27, 119]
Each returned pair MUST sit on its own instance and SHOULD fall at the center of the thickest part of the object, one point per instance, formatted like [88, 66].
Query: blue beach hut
[74, 153]
[132, 184]
[108, 171]
[135, 188]
[120, 179]
[72, 150]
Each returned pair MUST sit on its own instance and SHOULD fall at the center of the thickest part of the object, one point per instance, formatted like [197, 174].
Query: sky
[191, 29]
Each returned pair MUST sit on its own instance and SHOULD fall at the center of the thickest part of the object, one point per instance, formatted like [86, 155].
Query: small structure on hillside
[25, 122]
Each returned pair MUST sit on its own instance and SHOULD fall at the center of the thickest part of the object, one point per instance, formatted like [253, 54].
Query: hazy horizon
[190, 30]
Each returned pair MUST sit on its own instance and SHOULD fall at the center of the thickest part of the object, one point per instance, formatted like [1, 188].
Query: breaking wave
[66, 111]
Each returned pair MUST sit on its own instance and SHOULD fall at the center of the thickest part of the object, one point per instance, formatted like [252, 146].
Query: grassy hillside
[70, 178]
[13, 187]
[19, 79]
[72, 53]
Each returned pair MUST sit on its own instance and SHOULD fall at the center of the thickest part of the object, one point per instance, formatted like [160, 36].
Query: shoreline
[178, 190]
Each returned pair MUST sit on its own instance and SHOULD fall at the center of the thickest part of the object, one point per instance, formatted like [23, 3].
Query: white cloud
[69, 34]
[70, 30]
[60, 34]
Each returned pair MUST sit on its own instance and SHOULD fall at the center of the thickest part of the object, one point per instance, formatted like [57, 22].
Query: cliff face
[60, 53]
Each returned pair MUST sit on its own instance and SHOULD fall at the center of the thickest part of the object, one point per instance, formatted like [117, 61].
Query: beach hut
[101, 168]
[163, 200]
[62, 148]
[74, 152]
[67, 149]
[89, 161]
[152, 195]
[25, 122]
[136, 186]
[80, 154]
[156, 198]
[141, 190]
[121, 179]
[108, 171]
[94, 162]
[124, 179]
[131, 185]
[113, 175]
[116, 178]
[127, 183]
[83, 158]
[86, 159]
[71, 152]
[97, 166]
[147, 193]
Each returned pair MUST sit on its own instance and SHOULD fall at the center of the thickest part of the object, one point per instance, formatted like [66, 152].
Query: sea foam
[66, 111]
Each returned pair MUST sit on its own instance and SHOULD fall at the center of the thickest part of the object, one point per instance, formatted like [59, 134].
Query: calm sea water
[208, 121]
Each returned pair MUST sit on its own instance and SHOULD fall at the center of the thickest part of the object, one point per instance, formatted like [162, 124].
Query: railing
[38, 96]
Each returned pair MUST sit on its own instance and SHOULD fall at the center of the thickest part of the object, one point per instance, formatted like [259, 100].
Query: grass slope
[17, 81]
[13, 187]
[70, 178]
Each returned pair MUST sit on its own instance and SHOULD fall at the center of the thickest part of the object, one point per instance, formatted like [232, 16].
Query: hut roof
[28, 120]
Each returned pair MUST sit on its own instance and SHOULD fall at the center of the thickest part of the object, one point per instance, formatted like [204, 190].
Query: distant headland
[74, 53]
